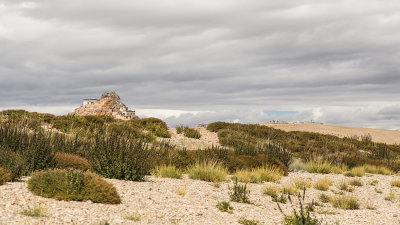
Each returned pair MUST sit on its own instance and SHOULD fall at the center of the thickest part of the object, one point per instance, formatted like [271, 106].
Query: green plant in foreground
[225, 207]
[166, 172]
[345, 202]
[34, 210]
[208, 171]
[302, 215]
[239, 193]
[73, 185]
[245, 221]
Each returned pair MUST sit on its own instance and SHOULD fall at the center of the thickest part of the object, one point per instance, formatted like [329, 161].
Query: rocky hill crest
[109, 104]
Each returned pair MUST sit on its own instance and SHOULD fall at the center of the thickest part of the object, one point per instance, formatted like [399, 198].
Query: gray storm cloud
[335, 61]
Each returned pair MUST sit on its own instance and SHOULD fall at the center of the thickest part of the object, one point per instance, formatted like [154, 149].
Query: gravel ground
[157, 202]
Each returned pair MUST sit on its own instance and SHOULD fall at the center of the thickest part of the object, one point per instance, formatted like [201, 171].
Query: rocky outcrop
[108, 105]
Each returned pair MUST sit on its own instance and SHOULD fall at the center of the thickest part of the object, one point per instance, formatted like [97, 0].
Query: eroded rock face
[108, 105]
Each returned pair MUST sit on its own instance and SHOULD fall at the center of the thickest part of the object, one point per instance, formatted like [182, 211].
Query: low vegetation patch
[323, 166]
[208, 171]
[239, 193]
[373, 182]
[73, 185]
[302, 183]
[133, 216]
[259, 175]
[345, 202]
[181, 190]
[5, 176]
[324, 198]
[65, 161]
[323, 184]
[395, 183]
[356, 182]
[166, 172]
[377, 169]
[275, 192]
[225, 207]
[34, 210]
[391, 196]
[245, 221]
[358, 171]
[342, 185]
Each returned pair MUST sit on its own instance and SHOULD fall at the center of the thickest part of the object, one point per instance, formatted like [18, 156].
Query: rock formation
[108, 105]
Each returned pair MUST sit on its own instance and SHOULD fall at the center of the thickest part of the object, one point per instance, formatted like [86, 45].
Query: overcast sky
[194, 61]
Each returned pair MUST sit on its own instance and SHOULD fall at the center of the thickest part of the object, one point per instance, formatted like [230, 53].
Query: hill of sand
[378, 135]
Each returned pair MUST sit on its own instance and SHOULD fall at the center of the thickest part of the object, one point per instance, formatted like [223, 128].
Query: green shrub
[5, 176]
[377, 169]
[208, 171]
[345, 202]
[395, 183]
[191, 133]
[166, 172]
[73, 185]
[125, 159]
[323, 184]
[356, 182]
[216, 126]
[14, 163]
[239, 193]
[342, 185]
[259, 175]
[65, 161]
[179, 129]
[324, 198]
[301, 216]
[225, 207]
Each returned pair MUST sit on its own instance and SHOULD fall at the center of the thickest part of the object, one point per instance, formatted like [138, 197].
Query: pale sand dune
[378, 135]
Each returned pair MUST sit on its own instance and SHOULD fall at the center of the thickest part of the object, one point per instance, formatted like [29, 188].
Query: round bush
[74, 185]
[65, 160]
[5, 176]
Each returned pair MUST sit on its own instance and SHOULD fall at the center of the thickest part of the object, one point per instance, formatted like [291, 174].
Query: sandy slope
[378, 135]
[206, 140]
[157, 202]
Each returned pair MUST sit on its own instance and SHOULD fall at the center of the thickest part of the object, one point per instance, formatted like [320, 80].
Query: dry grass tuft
[323, 184]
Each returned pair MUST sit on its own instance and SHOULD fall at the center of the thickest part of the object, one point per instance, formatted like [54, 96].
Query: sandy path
[378, 135]
[206, 140]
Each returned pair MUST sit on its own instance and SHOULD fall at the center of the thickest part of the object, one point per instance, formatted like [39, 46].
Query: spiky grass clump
[73, 185]
[166, 172]
[377, 169]
[259, 175]
[34, 210]
[356, 182]
[323, 184]
[324, 198]
[395, 183]
[391, 196]
[358, 171]
[275, 192]
[345, 202]
[342, 185]
[323, 166]
[5, 176]
[302, 183]
[211, 171]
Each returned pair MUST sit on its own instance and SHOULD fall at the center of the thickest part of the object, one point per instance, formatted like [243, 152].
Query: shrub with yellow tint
[259, 175]
[358, 171]
[74, 185]
[323, 166]
[5, 176]
[377, 169]
[345, 202]
[207, 171]
[323, 184]
[166, 172]
[302, 183]
[395, 183]
[65, 161]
